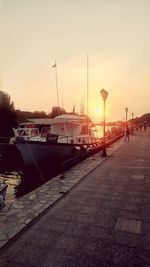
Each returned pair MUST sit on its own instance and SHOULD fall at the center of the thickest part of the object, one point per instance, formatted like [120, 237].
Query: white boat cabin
[73, 129]
[66, 128]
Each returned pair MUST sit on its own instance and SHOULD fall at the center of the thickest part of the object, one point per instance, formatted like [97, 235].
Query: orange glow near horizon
[96, 111]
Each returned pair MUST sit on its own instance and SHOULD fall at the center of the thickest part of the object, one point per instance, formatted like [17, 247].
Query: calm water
[12, 179]
[99, 130]
[21, 181]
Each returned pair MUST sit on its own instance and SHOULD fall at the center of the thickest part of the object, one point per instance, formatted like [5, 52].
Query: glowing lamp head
[104, 94]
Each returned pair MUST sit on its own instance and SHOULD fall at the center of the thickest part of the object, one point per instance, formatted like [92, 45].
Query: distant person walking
[127, 133]
[144, 127]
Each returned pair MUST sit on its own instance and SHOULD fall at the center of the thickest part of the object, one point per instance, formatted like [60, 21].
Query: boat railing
[77, 139]
[4, 139]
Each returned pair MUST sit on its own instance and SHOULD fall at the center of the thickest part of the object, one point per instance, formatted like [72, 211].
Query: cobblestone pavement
[103, 221]
[16, 216]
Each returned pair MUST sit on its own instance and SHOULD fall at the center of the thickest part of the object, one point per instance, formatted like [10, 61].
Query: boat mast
[57, 85]
[87, 85]
[55, 66]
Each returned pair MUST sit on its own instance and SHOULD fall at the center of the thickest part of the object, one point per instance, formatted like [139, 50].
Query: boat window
[45, 131]
[34, 132]
[22, 132]
[84, 129]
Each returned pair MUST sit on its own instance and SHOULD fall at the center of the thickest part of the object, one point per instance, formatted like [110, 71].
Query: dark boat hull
[9, 156]
[40, 154]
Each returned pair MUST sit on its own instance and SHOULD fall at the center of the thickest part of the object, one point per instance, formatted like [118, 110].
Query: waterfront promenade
[104, 220]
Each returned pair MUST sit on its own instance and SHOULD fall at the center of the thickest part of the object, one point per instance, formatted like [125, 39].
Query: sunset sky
[114, 33]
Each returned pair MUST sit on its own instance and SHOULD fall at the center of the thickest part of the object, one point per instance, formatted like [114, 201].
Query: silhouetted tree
[23, 116]
[39, 114]
[56, 111]
[20, 115]
[143, 119]
[7, 115]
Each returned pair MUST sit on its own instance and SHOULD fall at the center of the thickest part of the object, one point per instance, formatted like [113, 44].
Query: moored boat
[69, 138]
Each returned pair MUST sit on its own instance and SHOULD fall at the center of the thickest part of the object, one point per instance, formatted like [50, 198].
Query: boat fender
[84, 147]
[89, 150]
[76, 148]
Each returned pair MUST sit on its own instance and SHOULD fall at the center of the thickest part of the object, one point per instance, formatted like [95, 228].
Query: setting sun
[96, 112]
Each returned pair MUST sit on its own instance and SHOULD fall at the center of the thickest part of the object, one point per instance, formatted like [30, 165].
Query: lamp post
[126, 109]
[132, 122]
[104, 95]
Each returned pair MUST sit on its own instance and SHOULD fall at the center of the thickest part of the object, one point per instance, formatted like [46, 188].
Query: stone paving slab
[21, 212]
[128, 225]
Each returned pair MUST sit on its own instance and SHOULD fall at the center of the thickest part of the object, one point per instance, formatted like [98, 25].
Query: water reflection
[31, 178]
[12, 179]
[22, 180]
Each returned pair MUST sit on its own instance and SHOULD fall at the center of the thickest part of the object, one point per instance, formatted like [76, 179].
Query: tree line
[11, 117]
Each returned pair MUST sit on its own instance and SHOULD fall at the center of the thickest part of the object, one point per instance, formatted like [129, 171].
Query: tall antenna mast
[55, 66]
[87, 85]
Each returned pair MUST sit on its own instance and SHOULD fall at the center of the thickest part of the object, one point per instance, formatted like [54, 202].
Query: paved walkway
[103, 221]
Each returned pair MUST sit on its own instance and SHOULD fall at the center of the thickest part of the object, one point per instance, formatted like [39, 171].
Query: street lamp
[104, 95]
[132, 122]
[126, 109]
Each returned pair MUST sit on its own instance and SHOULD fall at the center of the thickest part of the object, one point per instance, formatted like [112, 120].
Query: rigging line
[41, 176]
